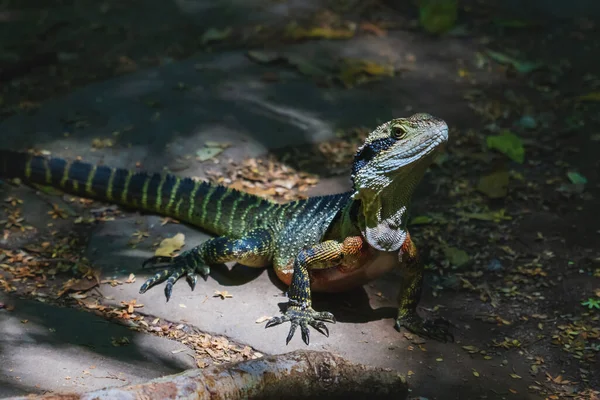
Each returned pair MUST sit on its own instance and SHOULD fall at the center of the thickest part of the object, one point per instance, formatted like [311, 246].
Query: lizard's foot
[303, 316]
[438, 329]
[183, 264]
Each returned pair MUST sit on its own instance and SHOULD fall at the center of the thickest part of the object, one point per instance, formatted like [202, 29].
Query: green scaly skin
[325, 243]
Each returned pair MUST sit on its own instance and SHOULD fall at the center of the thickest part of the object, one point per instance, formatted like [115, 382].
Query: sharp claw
[168, 290]
[271, 322]
[291, 333]
[321, 328]
[192, 279]
[143, 288]
[303, 317]
[205, 271]
[305, 333]
[326, 316]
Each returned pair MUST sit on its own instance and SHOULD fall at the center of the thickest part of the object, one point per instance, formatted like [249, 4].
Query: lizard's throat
[383, 213]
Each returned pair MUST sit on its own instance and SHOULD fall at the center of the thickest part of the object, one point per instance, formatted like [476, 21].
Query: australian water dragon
[327, 243]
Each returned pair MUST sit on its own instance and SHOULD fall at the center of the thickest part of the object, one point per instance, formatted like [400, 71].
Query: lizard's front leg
[410, 294]
[254, 250]
[299, 311]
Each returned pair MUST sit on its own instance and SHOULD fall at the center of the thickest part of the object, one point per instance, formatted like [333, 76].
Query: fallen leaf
[421, 220]
[494, 185]
[372, 28]
[307, 67]
[295, 31]
[456, 257]
[117, 342]
[131, 305]
[592, 96]
[223, 294]
[438, 16]
[264, 57]
[523, 67]
[509, 144]
[210, 150]
[495, 216]
[356, 71]
[576, 178]
[215, 35]
[170, 245]
[81, 285]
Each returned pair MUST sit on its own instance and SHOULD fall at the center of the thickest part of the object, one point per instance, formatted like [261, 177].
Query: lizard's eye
[398, 131]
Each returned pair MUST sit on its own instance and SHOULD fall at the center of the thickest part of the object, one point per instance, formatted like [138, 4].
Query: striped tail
[214, 208]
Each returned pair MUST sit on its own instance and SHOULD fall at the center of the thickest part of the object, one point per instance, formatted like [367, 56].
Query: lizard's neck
[382, 214]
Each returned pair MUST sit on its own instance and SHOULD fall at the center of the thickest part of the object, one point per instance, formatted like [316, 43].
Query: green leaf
[457, 257]
[211, 150]
[438, 16]
[215, 35]
[356, 71]
[421, 220]
[295, 31]
[263, 57]
[591, 303]
[307, 67]
[509, 144]
[592, 96]
[494, 185]
[495, 216]
[576, 178]
[523, 67]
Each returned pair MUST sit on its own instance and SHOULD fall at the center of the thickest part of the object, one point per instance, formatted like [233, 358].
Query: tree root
[297, 375]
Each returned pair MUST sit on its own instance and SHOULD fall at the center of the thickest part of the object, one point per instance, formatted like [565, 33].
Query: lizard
[327, 243]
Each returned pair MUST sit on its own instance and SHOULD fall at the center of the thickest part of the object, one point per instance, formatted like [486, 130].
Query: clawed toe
[176, 268]
[303, 317]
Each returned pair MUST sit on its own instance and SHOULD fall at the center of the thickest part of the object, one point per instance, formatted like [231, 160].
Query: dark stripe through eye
[369, 151]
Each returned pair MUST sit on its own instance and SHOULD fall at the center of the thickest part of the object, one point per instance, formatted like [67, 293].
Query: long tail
[214, 208]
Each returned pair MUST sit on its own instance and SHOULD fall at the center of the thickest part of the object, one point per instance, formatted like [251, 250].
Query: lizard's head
[386, 170]
[402, 148]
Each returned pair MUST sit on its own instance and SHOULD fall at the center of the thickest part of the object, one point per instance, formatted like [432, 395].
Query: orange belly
[341, 278]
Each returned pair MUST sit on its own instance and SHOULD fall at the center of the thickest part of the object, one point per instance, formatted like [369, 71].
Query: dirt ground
[512, 245]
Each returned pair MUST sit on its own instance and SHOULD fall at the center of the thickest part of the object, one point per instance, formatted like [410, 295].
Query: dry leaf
[170, 245]
[494, 185]
[357, 71]
[130, 279]
[372, 28]
[223, 294]
[294, 31]
[81, 285]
